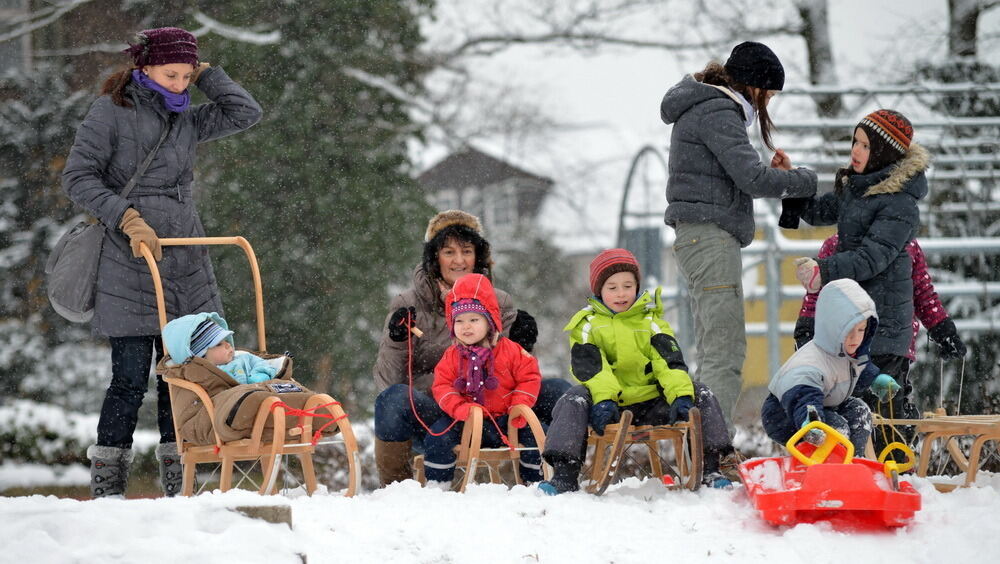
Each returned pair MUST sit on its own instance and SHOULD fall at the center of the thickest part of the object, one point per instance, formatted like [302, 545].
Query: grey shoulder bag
[71, 270]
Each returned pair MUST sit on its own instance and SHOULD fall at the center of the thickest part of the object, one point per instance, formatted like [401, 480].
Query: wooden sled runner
[611, 452]
[271, 438]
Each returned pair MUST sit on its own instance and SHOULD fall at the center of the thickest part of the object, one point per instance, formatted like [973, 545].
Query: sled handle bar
[239, 242]
[822, 452]
[893, 466]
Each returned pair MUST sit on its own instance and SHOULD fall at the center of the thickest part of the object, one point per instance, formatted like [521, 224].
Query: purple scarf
[173, 102]
[478, 378]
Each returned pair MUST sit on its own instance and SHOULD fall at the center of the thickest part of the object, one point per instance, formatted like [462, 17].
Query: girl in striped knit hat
[874, 205]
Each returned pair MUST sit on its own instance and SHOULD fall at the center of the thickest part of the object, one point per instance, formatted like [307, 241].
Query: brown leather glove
[138, 231]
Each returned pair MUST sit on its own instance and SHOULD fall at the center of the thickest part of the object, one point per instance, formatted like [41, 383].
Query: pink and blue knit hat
[469, 305]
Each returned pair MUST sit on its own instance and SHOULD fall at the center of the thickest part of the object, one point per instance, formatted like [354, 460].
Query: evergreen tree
[323, 187]
[39, 113]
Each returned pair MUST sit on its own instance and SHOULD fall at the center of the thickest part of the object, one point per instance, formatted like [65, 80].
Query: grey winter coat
[876, 216]
[391, 364]
[714, 172]
[109, 145]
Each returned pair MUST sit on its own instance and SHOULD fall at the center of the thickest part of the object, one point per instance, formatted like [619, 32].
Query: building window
[445, 200]
[501, 207]
[472, 201]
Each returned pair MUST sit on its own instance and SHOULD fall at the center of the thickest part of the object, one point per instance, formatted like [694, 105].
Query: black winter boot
[108, 470]
[171, 477]
[565, 476]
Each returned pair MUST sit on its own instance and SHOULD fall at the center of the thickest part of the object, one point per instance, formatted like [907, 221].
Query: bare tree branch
[40, 19]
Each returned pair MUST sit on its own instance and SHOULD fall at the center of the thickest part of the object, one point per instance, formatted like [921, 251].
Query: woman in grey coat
[713, 176]
[122, 127]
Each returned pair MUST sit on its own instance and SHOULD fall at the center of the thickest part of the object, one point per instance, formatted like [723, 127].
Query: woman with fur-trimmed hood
[874, 205]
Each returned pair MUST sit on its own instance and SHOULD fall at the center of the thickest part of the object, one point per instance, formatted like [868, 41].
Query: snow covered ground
[634, 522]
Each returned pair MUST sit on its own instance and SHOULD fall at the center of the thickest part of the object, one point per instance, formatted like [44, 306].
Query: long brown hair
[714, 73]
[115, 87]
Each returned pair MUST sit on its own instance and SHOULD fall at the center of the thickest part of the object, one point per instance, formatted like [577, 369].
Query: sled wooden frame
[471, 454]
[982, 428]
[268, 450]
[610, 449]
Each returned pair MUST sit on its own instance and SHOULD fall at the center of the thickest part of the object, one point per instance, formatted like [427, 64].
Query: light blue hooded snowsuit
[822, 375]
[245, 368]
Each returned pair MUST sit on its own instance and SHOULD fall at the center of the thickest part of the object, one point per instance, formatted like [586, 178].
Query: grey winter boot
[392, 458]
[171, 476]
[108, 470]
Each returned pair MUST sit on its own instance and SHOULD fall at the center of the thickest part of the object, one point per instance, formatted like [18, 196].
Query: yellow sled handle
[893, 466]
[833, 437]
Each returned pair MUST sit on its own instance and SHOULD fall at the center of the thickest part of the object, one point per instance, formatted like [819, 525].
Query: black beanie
[755, 64]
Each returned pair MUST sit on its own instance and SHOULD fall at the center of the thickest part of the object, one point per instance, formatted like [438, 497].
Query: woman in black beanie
[714, 175]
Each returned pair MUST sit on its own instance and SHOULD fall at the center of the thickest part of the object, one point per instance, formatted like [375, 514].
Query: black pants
[131, 358]
[901, 406]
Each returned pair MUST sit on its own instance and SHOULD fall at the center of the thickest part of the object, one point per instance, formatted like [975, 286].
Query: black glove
[524, 330]
[805, 328]
[585, 360]
[601, 414]
[791, 211]
[946, 337]
[680, 408]
[400, 323]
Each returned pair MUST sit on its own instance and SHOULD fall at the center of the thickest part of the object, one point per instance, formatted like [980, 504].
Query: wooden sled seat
[471, 455]
[611, 450]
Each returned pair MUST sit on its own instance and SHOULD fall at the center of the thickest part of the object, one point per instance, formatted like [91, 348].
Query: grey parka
[714, 172]
[109, 145]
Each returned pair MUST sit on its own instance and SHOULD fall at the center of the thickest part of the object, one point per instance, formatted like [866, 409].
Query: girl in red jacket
[481, 368]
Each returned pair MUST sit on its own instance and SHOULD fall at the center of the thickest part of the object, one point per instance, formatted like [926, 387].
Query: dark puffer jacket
[876, 216]
[714, 172]
[109, 145]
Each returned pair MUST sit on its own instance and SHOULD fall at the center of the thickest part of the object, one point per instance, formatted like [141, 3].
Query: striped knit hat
[609, 263]
[889, 137]
[207, 335]
[470, 305]
[163, 46]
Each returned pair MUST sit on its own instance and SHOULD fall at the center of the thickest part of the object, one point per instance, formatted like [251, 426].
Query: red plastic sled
[826, 483]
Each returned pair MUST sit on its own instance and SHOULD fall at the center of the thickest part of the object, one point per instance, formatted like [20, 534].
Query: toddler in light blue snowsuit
[207, 335]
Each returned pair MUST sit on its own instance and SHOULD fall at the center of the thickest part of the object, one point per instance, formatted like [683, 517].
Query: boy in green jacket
[624, 355]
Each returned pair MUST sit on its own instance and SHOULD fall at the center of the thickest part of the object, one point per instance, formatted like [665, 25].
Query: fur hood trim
[452, 217]
[916, 161]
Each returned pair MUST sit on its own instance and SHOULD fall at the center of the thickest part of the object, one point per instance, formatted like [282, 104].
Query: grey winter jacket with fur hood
[109, 145]
[876, 216]
[714, 172]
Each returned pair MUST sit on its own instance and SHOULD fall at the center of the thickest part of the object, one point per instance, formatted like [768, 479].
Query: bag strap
[149, 158]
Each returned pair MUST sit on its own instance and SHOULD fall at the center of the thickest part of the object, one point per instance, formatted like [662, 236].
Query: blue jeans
[439, 455]
[130, 362]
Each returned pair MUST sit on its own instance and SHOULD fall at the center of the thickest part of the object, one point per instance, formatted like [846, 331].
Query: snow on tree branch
[41, 18]
[244, 35]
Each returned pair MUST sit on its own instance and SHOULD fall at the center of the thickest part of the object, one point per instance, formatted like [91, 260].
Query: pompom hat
[163, 46]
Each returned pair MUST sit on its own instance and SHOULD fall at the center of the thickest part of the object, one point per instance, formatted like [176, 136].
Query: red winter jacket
[927, 306]
[515, 369]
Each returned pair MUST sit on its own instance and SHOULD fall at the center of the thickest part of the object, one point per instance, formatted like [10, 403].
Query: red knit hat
[163, 46]
[609, 263]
